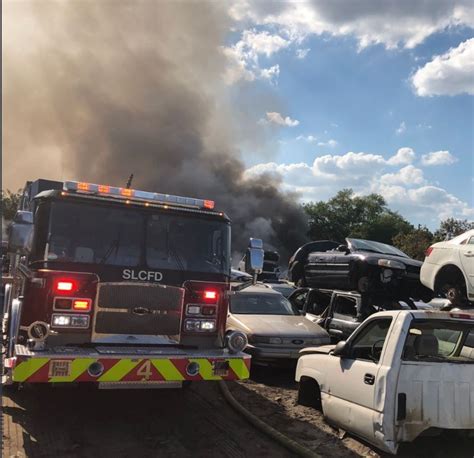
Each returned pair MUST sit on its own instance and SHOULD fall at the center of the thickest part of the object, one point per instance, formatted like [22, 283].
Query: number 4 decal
[145, 371]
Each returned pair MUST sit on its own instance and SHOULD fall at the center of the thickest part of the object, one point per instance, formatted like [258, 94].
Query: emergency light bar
[135, 194]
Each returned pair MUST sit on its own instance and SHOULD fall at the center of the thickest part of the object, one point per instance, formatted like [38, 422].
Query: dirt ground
[271, 395]
[75, 422]
[71, 422]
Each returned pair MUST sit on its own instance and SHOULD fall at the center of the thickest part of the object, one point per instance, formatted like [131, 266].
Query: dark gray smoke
[98, 90]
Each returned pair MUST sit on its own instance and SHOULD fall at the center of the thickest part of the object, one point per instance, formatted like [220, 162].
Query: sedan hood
[276, 325]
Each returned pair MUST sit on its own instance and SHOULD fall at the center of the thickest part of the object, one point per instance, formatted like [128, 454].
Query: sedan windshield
[375, 247]
[261, 304]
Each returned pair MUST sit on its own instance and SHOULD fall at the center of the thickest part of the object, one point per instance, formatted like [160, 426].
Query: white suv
[448, 268]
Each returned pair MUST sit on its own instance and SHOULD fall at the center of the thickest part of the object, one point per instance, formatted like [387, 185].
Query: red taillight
[64, 285]
[210, 296]
[84, 305]
[428, 251]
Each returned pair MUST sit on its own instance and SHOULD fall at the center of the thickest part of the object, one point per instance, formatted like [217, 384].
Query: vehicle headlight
[193, 325]
[236, 341]
[70, 321]
[391, 264]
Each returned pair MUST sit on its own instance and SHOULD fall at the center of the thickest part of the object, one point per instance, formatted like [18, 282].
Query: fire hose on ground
[283, 440]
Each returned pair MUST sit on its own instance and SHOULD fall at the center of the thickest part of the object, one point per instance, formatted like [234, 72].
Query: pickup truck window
[369, 342]
[440, 341]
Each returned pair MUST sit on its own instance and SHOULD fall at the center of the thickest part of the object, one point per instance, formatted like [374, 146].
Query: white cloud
[408, 176]
[308, 138]
[438, 158]
[277, 118]
[270, 73]
[403, 156]
[330, 143]
[405, 189]
[243, 56]
[302, 53]
[449, 74]
[392, 24]
[402, 128]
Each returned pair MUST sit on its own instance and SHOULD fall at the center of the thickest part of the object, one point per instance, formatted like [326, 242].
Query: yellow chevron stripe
[119, 370]
[205, 369]
[27, 368]
[167, 369]
[239, 367]
[78, 366]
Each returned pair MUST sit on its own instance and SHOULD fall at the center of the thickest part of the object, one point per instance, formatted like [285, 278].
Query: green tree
[10, 203]
[414, 243]
[451, 227]
[347, 215]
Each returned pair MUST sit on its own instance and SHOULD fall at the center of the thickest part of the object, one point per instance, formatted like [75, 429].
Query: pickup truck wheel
[309, 393]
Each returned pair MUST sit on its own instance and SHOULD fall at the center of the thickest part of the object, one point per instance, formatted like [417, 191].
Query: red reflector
[209, 204]
[82, 304]
[210, 296]
[126, 192]
[463, 316]
[103, 188]
[428, 251]
[83, 186]
[64, 285]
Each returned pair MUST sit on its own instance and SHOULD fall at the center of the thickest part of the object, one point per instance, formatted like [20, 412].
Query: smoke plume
[95, 91]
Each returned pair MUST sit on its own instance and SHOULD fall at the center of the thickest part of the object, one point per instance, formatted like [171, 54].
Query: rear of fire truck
[118, 287]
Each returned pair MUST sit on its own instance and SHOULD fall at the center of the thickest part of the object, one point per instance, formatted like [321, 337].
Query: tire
[454, 293]
[309, 394]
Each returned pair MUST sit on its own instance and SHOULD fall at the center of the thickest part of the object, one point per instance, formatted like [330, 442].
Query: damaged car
[367, 267]
[276, 331]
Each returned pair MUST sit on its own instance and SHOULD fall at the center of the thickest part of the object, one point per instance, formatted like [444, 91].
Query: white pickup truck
[398, 375]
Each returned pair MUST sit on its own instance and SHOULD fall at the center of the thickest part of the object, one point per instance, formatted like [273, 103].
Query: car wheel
[309, 393]
[454, 294]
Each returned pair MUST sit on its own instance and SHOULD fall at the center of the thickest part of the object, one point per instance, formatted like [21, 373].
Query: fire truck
[118, 287]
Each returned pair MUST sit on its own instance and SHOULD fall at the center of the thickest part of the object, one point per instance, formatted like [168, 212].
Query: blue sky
[350, 90]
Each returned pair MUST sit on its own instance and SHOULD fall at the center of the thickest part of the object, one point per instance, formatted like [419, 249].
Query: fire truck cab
[118, 287]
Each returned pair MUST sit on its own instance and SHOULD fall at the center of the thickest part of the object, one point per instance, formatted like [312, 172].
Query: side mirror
[254, 257]
[20, 233]
[341, 349]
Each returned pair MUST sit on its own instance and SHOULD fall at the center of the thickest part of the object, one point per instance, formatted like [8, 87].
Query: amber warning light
[136, 195]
